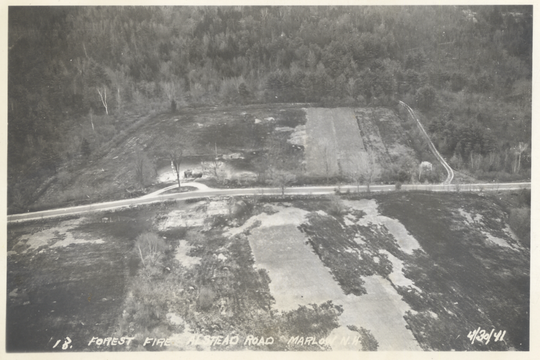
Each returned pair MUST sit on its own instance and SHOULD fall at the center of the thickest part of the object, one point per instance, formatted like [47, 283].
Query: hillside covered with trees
[80, 76]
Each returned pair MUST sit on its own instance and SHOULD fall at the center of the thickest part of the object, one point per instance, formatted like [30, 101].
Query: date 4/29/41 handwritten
[482, 335]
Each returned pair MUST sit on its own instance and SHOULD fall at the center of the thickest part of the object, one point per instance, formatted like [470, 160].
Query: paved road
[432, 147]
[197, 185]
[202, 192]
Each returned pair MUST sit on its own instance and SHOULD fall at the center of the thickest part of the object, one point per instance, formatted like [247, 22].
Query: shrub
[313, 320]
[150, 247]
[64, 177]
[335, 207]
[524, 197]
[85, 148]
[206, 298]
[425, 97]
[368, 341]
[520, 223]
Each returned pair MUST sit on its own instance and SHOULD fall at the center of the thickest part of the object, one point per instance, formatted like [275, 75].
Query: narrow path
[434, 150]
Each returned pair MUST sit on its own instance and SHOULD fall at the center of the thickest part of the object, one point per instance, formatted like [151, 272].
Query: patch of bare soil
[299, 277]
[193, 215]
[505, 238]
[333, 142]
[181, 254]
[406, 242]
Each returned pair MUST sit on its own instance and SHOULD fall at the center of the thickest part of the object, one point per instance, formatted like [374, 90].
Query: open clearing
[334, 142]
[299, 277]
[347, 142]
[241, 136]
[342, 144]
[411, 270]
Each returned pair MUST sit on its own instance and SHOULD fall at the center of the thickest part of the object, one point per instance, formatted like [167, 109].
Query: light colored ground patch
[181, 218]
[359, 239]
[222, 257]
[283, 129]
[175, 319]
[285, 215]
[496, 240]
[297, 273]
[298, 136]
[39, 239]
[477, 221]
[511, 233]
[242, 176]
[298, 277]
[404, 239]
[166, 174]
[58, 236]
[470, 218]
[381, 311]
[397, 277]
[182, 255]
[334, 143]
[71, 240]
[193, 216]
[349, 220]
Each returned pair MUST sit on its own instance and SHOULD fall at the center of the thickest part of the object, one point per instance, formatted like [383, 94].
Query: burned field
[399, 271]
[245, 146]
[244, 138]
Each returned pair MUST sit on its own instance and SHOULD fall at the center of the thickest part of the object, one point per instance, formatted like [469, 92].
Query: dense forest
[79, 76]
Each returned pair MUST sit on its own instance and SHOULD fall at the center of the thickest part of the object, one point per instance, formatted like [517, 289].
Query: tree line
[73, 69]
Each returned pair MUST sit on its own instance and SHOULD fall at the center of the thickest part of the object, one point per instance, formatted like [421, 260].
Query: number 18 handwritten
[65, 345]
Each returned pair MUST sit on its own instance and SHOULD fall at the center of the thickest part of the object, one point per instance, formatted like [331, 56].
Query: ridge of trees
[70, 63]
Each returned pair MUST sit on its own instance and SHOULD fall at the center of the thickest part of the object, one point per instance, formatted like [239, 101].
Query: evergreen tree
[85, 148]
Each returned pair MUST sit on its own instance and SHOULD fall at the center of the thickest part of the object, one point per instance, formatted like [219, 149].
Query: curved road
[203, 192]
[449, 170]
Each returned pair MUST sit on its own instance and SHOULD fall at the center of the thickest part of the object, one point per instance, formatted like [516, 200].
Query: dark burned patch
[76, 291]
[121, 230]
[291, 117]
[236, 134]
[177, 233]
[348, 260]
[467, 283]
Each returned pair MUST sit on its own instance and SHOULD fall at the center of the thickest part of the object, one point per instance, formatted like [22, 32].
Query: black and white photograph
[268, 178]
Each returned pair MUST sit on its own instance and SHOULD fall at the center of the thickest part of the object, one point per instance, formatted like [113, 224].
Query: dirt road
[432, 147]
[307, 190]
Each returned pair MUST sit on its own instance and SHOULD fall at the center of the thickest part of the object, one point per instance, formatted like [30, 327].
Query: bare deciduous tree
[91, 113]
[518, 150]
[362, 170]
[326, 159]
[102, 91]
[149, 246]
[176, 156]
[282, 179]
